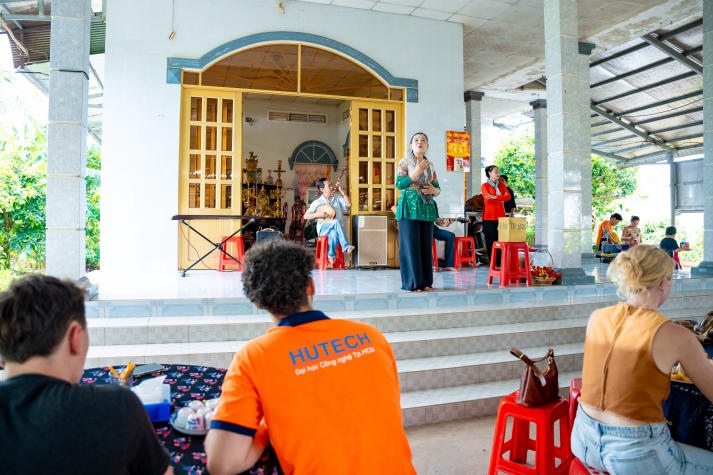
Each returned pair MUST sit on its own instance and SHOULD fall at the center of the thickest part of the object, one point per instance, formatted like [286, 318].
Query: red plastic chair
[577, 467]
[321, 255]
[237, 251]
[549, 458]
[510, 268]
[465, 251]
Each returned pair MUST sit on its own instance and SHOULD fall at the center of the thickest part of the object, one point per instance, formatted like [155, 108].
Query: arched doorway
[216, 128]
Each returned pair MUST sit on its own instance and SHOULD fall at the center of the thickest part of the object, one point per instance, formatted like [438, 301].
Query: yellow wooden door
[210, 172]
[376, 135]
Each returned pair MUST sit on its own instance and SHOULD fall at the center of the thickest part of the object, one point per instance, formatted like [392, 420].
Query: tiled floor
[213, 284]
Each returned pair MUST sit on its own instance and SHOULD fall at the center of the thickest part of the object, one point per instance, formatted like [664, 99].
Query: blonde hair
[640, 268]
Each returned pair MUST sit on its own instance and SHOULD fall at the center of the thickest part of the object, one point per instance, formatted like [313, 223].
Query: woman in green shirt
[416, 212]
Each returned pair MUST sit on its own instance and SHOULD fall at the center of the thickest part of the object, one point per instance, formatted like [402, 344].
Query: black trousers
[415, 254]
[490, 229]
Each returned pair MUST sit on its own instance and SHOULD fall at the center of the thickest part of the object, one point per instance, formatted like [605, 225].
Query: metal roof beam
[618, 139]
[631, 128]
[663, 103]
[646, 88]
[671, 116]
[673, 52]
[617, 158]
[653, 65]
[677, 127]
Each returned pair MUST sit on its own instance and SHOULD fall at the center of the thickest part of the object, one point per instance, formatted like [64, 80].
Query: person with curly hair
[324, 392]
[629, 351]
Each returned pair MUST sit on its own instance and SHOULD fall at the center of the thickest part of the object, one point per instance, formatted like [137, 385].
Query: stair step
[461, 402]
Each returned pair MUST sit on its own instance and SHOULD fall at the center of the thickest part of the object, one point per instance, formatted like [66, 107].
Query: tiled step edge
[463, 402]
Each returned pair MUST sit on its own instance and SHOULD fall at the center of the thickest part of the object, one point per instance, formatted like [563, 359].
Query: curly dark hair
[35, 313]
[276, 274]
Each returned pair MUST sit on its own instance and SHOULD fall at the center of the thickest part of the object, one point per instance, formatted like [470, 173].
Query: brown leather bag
[537, 388]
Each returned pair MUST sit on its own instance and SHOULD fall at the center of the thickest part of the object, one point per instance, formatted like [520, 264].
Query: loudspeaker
[371, 240]
[266, 234]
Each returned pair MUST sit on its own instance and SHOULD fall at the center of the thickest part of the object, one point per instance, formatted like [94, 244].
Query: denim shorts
[647, 449]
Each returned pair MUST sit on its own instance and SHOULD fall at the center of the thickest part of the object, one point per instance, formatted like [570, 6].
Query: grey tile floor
[213, 284]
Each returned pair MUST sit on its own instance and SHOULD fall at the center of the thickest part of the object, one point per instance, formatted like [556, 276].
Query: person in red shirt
[324, 392]
[495, 194]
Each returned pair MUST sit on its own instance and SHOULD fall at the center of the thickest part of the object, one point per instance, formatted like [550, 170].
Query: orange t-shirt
[329, 393]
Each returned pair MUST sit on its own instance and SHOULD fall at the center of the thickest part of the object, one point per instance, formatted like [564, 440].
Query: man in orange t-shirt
[324, 392]
[606, 230]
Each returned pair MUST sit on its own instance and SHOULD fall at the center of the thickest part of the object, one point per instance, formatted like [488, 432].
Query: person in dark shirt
[670, 245]
[510, 205]
[49, 423]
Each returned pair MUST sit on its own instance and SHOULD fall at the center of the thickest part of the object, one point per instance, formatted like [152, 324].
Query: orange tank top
[619, 373]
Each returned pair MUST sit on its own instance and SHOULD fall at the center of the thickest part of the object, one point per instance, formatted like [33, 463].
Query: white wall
[141, 111]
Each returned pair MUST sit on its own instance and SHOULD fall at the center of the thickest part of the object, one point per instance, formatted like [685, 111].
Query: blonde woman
[629, 351]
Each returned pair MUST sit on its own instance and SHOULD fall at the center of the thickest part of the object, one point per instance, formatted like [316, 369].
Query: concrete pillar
[473, 125]
[584, 134]
[564, 142]
[672, 180]
[705, 269]
[67, 138]
[539, 109]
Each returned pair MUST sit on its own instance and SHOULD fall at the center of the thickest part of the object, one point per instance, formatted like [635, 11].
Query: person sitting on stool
[327, 210]
[449, 238]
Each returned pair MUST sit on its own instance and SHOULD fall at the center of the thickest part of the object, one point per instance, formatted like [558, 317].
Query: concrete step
[431, 406]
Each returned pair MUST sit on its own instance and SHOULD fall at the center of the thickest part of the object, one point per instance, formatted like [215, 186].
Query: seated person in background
[448, 238]
[323, 391]
[629, 351]
[49, 424]
[510, 205]
[631, 234]
[670, 245]
[327, 210]
[605, 232]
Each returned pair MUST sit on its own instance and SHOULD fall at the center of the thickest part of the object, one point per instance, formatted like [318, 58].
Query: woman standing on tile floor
[416, 212]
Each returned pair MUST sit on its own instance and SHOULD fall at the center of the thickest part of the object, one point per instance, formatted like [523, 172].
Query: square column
[67, 138]
[473, 125]
[705, 269]
[564, 139]
[539, 109]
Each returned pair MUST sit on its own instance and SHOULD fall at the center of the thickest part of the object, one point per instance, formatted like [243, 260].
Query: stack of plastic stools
[237, 251]
[321, 258]
[510, 268]
[435, 255]
[577, 467]
[510, 455]
[465, 251]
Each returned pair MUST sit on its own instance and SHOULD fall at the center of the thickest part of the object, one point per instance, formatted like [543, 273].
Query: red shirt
[494, 208]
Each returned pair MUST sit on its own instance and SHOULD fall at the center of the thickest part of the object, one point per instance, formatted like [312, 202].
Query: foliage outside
[23, 183]
[610, 188]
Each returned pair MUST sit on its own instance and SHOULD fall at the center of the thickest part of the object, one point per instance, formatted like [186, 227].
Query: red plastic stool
[435, 255]
[549, 458]
[321, 254]
[579, 468]
[237, 252]
[465, 251]
[575, 386]
[510, 268]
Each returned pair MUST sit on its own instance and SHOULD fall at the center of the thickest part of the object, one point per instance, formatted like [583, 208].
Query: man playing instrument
[327, 210]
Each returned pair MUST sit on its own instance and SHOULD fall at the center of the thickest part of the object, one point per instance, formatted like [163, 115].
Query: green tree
[93, 197]
[610, 185]
[23, 171]
[516, 159]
